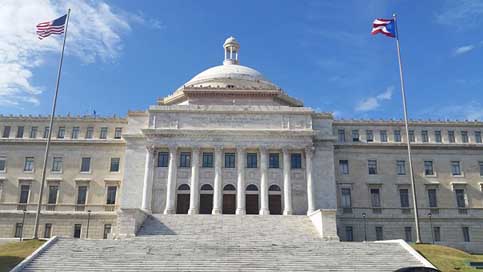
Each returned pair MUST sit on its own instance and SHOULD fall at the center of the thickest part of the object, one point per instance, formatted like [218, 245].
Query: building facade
[229, 141]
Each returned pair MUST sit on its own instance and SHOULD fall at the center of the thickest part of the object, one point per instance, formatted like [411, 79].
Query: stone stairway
[222, 243]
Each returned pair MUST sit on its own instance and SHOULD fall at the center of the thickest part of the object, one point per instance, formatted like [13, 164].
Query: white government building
[229, 141]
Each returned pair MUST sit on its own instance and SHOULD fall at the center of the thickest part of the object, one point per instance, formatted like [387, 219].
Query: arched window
[252, 187]
[184, 187]
[206, 187]
[274, 188]
[229, 187]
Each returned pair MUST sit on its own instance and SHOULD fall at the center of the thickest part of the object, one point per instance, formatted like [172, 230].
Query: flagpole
[411, 173]
[51, 128]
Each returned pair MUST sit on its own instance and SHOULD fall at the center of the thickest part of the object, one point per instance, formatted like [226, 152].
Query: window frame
[111, 191]
[397, 135]
[103, 133]
[208, 160]
[346, 198]
[33, 132]
[252, 160]
[89, 165]
[163, 159]
[4, 160]
[344, 167]
[61, 132]
[432, 197]
[118, 133]
[113, 170]
[75, 133]
[428, 171]
[341, 135]
[20, 132]
[57, 164]
[369, 135]
[456, 168]
[274, 160]
[438, 136]
[295, 160]
[6, 131]
[31, 161]
[89, 133]
[372, 167]
[185, 159]
[404, 198]
[355, 135]
[383, 136]
[375, 201]
[229, 160]
[53, 195]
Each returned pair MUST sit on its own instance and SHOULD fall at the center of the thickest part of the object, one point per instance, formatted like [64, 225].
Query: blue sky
[123, 55]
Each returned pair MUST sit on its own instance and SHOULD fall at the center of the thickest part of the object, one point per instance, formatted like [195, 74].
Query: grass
[13, 253]
[448, 259]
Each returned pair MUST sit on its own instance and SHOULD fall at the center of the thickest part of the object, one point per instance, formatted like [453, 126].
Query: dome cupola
[232, 47]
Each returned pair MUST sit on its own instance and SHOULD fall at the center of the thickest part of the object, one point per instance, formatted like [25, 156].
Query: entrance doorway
[206, 199]
[274, 200]
[183, 199]
[251, 198]
[229, 199]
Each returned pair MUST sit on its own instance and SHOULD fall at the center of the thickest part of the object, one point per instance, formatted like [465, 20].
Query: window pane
[89, 132]
[229, 160]
[383, 136]
[460, 198]
[478, 137]
[18, 230]
[408, 234]
[355, 135]
[46, 132]
[252, 160]
[29, 164]
[86, 165]
[185, 159]
[455, 168]
[81, 195]
[424, 136]
[115, 164]
[437, 136]
[344, 167]
[3, 164]
[451, 138]
[437, 234]
[6, 132]
[24, 194]
[349, 233]
[48, 230]
[296, 161]
[53, 189]
[20, 132]
[375, 198]
[163, 159]
[411, 136]
[379, 233]
[117, 133]
[341, 135]
[77, 230]
[61, 133]
[466, 234]
[401, 167]
[107, 230]
[397, 136]
[346, 201]
[207, 160]
[75, 132]
[57, 164]
[464, 136]
[33, 132]
[369, 136]
[428, 168]
[404, 197]
[372, 166]
[433, 198]
[103, 134]
[111, 195]
[274, 160]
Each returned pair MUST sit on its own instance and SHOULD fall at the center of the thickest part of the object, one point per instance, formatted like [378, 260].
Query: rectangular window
[103, 134]
[6, 132]
[466, 234]
[460, 198]
[464, 136]
[207, 160]
[397, 136]
[117, 133]
[383, 135]
[355, 135]
[341, 134]
[437, 136]
[33, 132]
[369, 136]
[107, 231]
[437, 234]
[229, 160]
[349, 234]
[75, 132]
[375, 198]
[408, 234]
[77, 230]
[295, 160]
[48, 230]
[372, 167]
[404, 197]
[163, 159]
[344, 167]
[480, 163]
[274, 160]
[424, 136]
[114, 165]
[46, 132]
[57, 164]
[432, 198]
[251, 160]
[428, 168]
[18, 230]
[451, 138]
[61, 133]
[3, 164]
[478, 137]
[411, 136]
[185, 159]
[111, 195]
[455, 168]
[81, 195]
[379, 234]
[53, 190]
[85, 164]
[346, 199]
[401, 167]
[20, 132]
[89, 132]
[24, 194]
[29, 164]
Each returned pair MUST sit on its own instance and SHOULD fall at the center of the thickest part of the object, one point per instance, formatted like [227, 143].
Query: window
[111, 195]
[61, 133]
[355, 135]
[397, 136]
[89, 132]
[408, 234]
[20, 130]
[163, 159]
[103, 134]
[274, 160]
[424, 136]
[53, 190]
[114, 165]
[75, 132]
[3, 164]
[57, 164]
[207, 160]
[428, 168]
[451, 138]
[375, 198]
[185, 159]
[117, 133]
[77, 230]
[29, 164]
[107, 231]
[372, 167]
[460, 198]
[383, 136]
[349, 234]
[295, 160]
[341, 134]
[344, 167]
[464, 136]
[346, 199]
[455, 168]
[24, 194]
[478, 137]
[86, 164]
[437, 136]
[437, 234]
[401, 167]
[466, 234]
[404, 197]
[251, 160]
[46, 132]
[480, 163]
[48, 230]
[411, 136]
[81, 195]
[229, 160]
[379, 234]
[369, 136]
[432, 198]
[18, 230]
[6, 132]
[33, 132]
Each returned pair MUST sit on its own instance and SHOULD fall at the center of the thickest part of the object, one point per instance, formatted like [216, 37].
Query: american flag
[56, 26]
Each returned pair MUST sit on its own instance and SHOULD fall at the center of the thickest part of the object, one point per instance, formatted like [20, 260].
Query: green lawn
[13, 253]
[448, 259]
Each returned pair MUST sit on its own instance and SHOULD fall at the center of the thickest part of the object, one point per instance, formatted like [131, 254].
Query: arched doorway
[274, 199]
[229, 199]
[183, 199]
[206, 199]
[251, 198]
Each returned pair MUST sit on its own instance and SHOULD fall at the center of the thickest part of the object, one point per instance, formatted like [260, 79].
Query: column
[287, 184]
[240, 185]
[148, 179]
[264, 181]
[195, 182]
[171, 184]
[218, 183]
[310, 184]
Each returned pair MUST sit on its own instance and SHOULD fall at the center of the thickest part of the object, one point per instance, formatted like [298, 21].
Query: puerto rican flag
[384, 26]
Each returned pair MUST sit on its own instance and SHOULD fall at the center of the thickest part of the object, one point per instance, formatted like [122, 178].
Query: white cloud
[372, 103]
[464, 49]
[94, 34]
[461, 15]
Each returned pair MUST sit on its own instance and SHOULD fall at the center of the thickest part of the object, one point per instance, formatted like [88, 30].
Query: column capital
[196, 149]
[263, 149]
[150, 148]
[241, 148]
[172, 148]
[286, 149]
[218, 148]
[309, 150]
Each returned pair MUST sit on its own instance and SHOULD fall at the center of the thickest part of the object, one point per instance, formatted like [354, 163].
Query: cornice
[78, 118]
[60, 141]
[246, 109]
[227, 132]
[382, 122]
